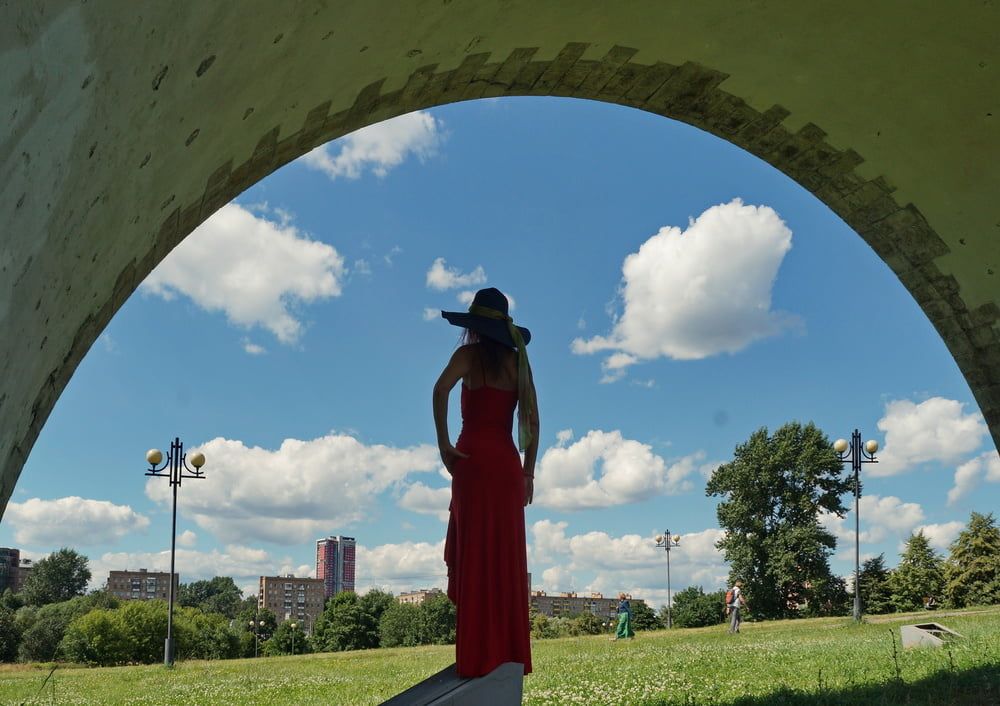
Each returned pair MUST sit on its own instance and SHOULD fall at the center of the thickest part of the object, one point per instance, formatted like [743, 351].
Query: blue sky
[681, 294]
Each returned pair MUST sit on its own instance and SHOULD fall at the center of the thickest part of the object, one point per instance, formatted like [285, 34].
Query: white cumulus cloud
[692, 293]
[941, 535]
[252, 269]
[558, 579]
[187, 538]
[253, 348]
[297, 492]
[426, 500]
[401, 567]
[970, 474]
[442, 277]
[72, 521]
[881, 517]
[629, 563]
[549, 539]
[937, 429]
[240, 562]
[379, 148]
[604, 468]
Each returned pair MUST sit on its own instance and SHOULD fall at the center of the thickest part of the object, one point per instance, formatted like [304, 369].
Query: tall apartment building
[14, 570]
[141, 585]
[10, 564]
[292, 598]
[335, 564]
[563, 604]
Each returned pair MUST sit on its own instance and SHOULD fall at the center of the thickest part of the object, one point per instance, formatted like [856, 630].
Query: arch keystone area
[125, 127]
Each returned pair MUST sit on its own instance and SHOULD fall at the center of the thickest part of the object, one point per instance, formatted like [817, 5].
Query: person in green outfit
[625, 631]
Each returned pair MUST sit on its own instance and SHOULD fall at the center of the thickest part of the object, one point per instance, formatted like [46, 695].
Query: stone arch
[63, 294]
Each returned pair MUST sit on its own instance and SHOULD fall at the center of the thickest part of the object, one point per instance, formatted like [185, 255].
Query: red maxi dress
[485, 547]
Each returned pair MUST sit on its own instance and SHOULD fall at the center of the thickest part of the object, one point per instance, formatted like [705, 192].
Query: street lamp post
[256, 626]
[666, 541]
[173, 469]
[857, 454]
[294, 625]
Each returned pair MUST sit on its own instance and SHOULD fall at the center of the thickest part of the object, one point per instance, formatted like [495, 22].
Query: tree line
[773, 495]
[53, 619]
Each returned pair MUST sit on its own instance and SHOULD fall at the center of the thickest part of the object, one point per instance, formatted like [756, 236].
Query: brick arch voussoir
[688, 92]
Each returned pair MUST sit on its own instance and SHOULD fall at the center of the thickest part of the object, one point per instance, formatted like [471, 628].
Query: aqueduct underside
[128, 124]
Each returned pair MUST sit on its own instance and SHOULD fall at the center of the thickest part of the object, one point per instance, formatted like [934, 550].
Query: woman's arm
[456, 369]
[531, 453]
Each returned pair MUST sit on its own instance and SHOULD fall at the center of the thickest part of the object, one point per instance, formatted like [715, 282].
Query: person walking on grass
[735, 603]
[625, 631]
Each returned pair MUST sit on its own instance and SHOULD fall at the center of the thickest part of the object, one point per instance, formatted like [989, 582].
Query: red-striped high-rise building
[335, 564]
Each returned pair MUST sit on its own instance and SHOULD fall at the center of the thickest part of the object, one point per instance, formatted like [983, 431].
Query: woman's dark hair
[492, 351]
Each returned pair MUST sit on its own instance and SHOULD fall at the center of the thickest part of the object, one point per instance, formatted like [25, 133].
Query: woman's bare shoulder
[465, 355]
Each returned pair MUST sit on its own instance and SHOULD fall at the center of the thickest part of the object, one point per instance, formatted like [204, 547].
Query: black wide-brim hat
[495, 329]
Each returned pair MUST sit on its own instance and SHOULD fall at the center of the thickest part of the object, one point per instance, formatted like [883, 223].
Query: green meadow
[798, 663]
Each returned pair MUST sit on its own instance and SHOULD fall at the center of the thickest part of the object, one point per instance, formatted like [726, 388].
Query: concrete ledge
[501, 687]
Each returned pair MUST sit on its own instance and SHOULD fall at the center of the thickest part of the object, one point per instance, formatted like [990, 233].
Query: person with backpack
[735, 602]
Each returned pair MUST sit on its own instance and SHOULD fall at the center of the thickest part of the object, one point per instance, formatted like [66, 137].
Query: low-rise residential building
[21, 577]
[565, 604]
[141, 585]
[288, 597]
[419, 596]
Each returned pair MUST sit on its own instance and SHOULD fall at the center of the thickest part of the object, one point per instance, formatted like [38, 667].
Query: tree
[286, 639]
[972, 572]
[144, 626]
[693, 608]
[42, 628]
[828, 597]
[402, 625]
[10, 600]
[644, 617]
[216, 595]
[541, 626]
[374, 604]
[247, 604]
[919, 574]
[58, 577]
[10, 635]
[96, 638]
[773, 492]
[438, 620]
[876, 592]
[586, 623]
[343, 625]
[249, 642]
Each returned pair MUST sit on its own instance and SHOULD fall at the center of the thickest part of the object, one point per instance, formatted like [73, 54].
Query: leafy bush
[288, 640]
[693, 608]
[96, 638]
[10, 635]
[402, 625]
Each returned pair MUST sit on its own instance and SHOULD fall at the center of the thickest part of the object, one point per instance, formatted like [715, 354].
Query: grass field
[797, 663]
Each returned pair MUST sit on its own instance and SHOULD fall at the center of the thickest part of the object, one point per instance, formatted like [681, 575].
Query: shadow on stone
[501, 687]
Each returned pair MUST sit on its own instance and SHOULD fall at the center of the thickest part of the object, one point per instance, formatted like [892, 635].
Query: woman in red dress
[485, 548]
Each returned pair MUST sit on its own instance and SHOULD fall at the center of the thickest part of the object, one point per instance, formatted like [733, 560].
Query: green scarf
[525, 399]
